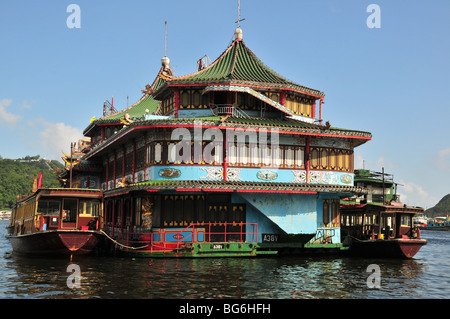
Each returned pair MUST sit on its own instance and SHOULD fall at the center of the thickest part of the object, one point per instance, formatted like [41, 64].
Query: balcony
[228, 109]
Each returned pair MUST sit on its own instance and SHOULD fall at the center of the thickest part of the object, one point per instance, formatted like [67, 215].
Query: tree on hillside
[16, 178]
[441, 209]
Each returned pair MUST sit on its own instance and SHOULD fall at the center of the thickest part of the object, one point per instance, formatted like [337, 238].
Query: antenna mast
[238, 31]
[165, 40]
[239, 14]
[165, 61]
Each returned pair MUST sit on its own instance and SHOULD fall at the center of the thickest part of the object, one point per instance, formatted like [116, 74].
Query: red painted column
[224, 154]
[283, 98]
[307, 158]
[115, 168]
[123, 161]
[134, 158]
[176, 101]
[320, 111]
[113, 224]
[313, 110]
[107, 171]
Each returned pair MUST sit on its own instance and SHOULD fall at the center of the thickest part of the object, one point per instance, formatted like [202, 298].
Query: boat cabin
[376, 221]
[54, 209]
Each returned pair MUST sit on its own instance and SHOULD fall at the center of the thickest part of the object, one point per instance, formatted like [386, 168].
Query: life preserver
[37, 222]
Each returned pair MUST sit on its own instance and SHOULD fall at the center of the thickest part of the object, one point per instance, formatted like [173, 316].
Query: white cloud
[5, 116]
[374, 165]
[414, 195]
[382, 162]
[26, 105]
[443, 159]
[56, 137]
[359, 161]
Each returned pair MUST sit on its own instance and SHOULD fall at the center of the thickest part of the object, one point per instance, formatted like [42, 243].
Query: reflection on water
[280, 278]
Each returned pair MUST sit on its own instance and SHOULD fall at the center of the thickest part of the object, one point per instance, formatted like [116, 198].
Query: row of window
[373, 219]
[245, 154]
[238, 155]
[193, 99]
[331, 219]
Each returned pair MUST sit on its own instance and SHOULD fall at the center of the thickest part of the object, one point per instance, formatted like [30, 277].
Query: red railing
[217, 234]
[198, 232]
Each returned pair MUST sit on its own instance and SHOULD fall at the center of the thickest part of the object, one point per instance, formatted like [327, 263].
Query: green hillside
[441, 209]
[16, 177]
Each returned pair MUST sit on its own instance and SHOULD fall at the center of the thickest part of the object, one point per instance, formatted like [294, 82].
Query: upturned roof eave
[235, 186]
[360, 137]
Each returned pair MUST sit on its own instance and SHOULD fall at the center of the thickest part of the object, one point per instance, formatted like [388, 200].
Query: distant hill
[441, 209]
[16, 177]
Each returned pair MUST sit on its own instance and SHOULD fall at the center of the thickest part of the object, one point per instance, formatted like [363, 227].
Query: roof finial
[165, 61]
[238, 31]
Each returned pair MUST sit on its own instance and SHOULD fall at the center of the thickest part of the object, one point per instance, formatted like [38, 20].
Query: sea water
[425, 276]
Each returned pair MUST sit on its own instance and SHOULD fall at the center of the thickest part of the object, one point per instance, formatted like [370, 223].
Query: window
[193, 99]
[332, 159]
[335, 213]
[276, 156]
[89, 208]
[232, 154]
[158, 153]
[255, 155]
[266, 155]
[171, 153]
[405, 220]
[299, 157]
[70, 210]
[48, 207]
[326, 213]
[289, 156]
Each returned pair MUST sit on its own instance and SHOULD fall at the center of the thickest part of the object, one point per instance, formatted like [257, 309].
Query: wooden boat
[57, 221]
[376, 230]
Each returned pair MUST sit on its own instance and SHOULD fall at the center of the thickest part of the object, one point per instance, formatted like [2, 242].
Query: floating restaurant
[233, 160]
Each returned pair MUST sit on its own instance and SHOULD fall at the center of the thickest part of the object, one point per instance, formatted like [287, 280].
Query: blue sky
[392, 81]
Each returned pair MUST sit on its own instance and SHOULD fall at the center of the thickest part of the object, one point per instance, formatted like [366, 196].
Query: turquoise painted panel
[215, 173]
[289, 176]
[292, 213]
[190, 113]
[253, 215]
[333, 178]
[206, 173]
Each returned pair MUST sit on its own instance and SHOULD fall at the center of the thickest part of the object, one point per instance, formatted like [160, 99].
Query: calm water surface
[425, 276]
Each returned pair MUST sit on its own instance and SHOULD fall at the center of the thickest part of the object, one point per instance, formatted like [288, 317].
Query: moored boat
[378, 224]
[438, 223]
[385, 231]
[57, 221]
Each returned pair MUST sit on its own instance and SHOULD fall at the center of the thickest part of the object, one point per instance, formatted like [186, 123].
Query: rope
[116, 242]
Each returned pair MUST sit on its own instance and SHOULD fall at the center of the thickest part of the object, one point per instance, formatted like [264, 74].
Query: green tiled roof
[239, 65]
[137, 110]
